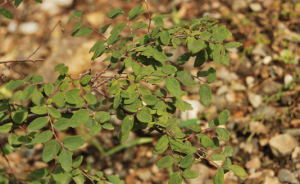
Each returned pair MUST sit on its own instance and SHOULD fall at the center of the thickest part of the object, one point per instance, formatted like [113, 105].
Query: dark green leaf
[74, 142]
[79, 118]
[201, 57]
[82, 32]
[43, 137]
[113, 37]
[134, 12]
[19, 115]
[115, 13]
[17, 2]
[205, 94]
[173, 87]
[144, 116]
[187, 161]
[183, 58]
[40, 173]
[76, 14]
[50, 150]
[104, 28]
[212, 75]
[175, 178]
[65, 160]
[6, 13]
[126, 126]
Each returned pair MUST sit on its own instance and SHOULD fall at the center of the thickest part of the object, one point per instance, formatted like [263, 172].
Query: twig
[107, 80]
[21, 61]
[5, 2]
[150, 19]
[59, 22]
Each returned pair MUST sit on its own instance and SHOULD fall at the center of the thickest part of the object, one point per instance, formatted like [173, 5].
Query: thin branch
[150, 19]
[32, 117]
[5, 2]
[21, 61]
[58, 23]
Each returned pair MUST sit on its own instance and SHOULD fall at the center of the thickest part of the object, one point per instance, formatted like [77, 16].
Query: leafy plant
[137, 59]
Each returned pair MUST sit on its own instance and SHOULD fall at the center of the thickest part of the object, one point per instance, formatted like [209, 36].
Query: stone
[256, 7]
[270, 180]
[271, 87]
[292, 131]
[144, 175]
[267, 112]
[267, 60]
[282, 145]
[254, 99]
[203, 174]
[254, 163]
[29, 27]
[250, 81]
[258, 127]
[239, 5]
[288, 78]
[287, 176]
[296, 153]
[260, 50]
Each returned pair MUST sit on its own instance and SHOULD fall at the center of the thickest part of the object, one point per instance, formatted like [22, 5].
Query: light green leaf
[165, 162]
[40, 173]
[76, 14]
[134, 12]
[187, 161]
[54, 112]
[228, 151]
[85, 79]
[39, 110]
[160, 56]
[79, 118]
[12, 84]
[48, 88]
[231, 45]
[223, 133]
[175, 178]
[77, 161]
[217, 157]
[223, 117]
[74, 142]
[90, 98]
[219, 176]
[165, 37]
[169, 69]
[161, 145]
[5, 128]
[62, 124]
[19, 115]
[65, 160]
[237, 170]
[190, 174]
[150, 99]
[205, 94]
[206, 141]
[212, 75]
[50, 150]
[28, 91]
[126, 126]
[173, 87]
[113, 37]
[102, 116]
[38, 123]
[43, 137]
[84, 31]
[144, 116]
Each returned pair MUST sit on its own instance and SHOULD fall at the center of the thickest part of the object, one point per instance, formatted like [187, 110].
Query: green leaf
[237, 170]
[117, 100]
[206, 141]
[144, 116]
[48, 88]
[221, 33]
[95, 129]
[165, 162]
[220, 55]
[231, 45]
[126, 126]
[77, 161]
[165, 37]
[62, 124]
[12, 84]
[115, 13]
[6, 13]
[201, 57]
[212, 75]
[79, 118]
[219, 176]
[43, 137]
[162, 144]
[102, 116]
[59, 176]
[223, 117]
[180, 147]
[187, 161]
[38, 123]
[160, 56]
[228, 151]
[40, 173]
[223, 133]
[90, 98]
[76, 14]
[37, 98]
[169, 69]
[217, 157]
[150, 99]
[77, 25]
[173, 87]
[28, 91]
[108, 126]
[39, 1]
[4, 106]
[183, 58]
[37, 79]
[50, 150]
[5, 128]
[19, 115]
[17, 2]
[54, 112]
[205, 94]
[194, 45]
[82, 32]
[113, 179]
[65, 160]
[139, 25]
[74, 142]
[190, 174]
[186, 78]
[194, 127]
[175, 178]
[134, 12]
[85, 79]
[79, 179]
[39, 110]
[113, 37]
[104, 28]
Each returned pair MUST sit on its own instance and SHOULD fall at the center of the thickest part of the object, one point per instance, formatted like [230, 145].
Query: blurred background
[261, 87]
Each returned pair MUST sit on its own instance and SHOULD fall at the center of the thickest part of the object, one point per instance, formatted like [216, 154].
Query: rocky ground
[261, 87]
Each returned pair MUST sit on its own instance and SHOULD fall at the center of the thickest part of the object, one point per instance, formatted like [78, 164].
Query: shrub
[137, 59]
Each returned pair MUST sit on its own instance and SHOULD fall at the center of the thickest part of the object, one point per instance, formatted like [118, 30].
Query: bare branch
[21, 61]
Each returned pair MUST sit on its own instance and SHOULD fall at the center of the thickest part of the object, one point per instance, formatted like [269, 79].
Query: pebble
[203, 171]
[144, 175]
[292, 131]
[258, 127]
[267, 60]
[222, 90]
[296, 153]
[260, 49]
[282, 145]
[29, 27]
[254, 163]
[288, 79]
[271, 87]
[256, 7]
[287, 176]
[254, 99]
[250, 81]
[239, 5]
